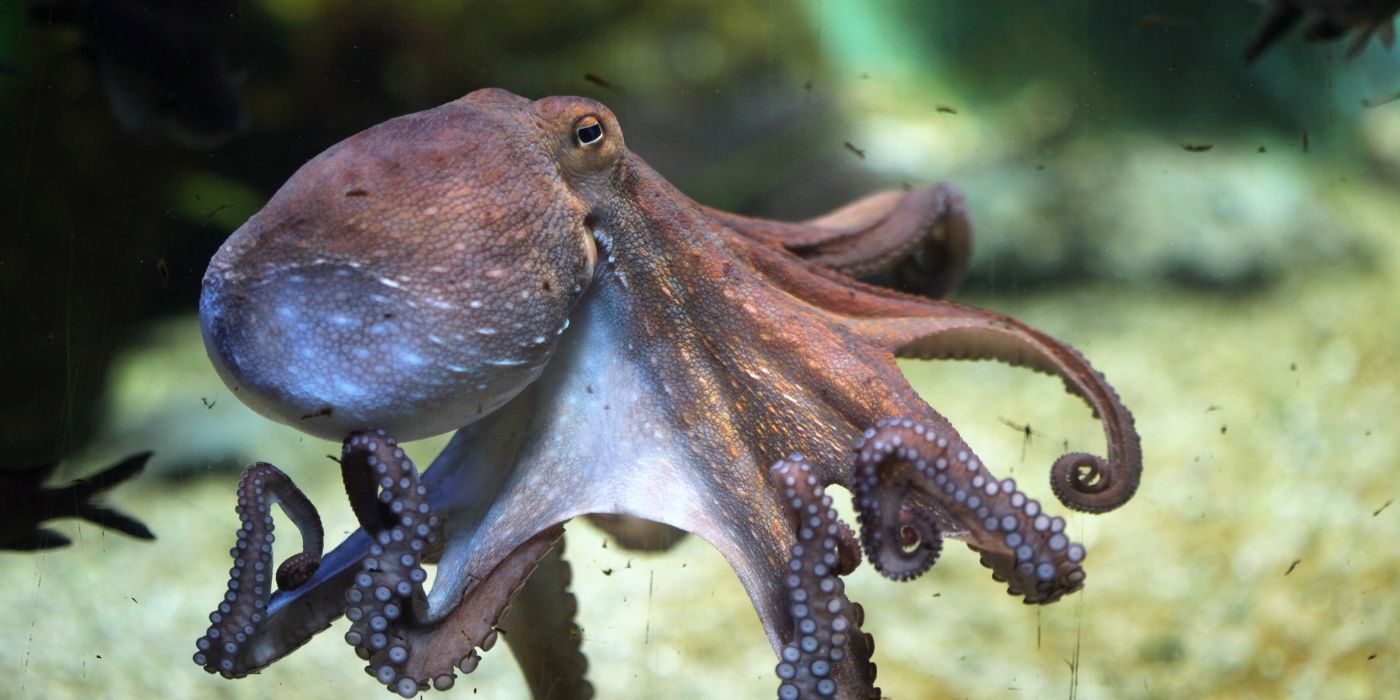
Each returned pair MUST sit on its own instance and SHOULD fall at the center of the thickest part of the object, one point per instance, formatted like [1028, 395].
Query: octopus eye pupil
[590, 133]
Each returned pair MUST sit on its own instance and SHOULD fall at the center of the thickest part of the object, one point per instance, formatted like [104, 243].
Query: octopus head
[417, 275]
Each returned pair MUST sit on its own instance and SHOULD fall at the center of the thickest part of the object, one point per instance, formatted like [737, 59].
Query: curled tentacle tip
[906, 550]
[296, 571]
[901, 541]
[1088, 483]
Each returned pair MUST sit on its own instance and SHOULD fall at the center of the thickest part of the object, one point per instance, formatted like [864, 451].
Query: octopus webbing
[603, 346]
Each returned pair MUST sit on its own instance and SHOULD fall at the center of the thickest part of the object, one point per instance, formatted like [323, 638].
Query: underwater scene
[676, 349]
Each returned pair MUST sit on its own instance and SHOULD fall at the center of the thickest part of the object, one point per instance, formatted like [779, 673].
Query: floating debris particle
[1378, 101]
[601, 82]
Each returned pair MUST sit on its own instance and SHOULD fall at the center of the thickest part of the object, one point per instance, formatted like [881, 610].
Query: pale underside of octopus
[606, 347]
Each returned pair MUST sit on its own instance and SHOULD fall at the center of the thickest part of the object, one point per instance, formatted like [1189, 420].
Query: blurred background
[1219, 238]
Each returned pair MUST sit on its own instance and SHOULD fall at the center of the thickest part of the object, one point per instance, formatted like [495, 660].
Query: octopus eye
[588, 131]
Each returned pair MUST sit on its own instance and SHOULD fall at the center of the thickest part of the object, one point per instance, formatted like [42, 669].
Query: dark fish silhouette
[1334, 19]
[25, 504]
[159, 63]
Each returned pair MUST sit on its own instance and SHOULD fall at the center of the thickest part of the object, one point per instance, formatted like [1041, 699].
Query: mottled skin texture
[1332, 20]
[647, 358]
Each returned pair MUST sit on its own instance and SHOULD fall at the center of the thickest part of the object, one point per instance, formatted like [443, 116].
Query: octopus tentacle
[1024, 547]
[914, 327]
[437, 650]
[923, 236]
[362, 483]
[390, 583]
[847, 549]
[1090, 483]
[906, 547]
[826, 641]
[387, 605]
[1082, 481]
[239, 615]
[543, 635]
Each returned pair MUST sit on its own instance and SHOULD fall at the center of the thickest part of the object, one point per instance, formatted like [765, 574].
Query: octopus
[606, 348]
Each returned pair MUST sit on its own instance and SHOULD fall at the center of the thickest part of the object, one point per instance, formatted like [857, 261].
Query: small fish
[25, 504]
[1335, 19]
[1197, 147]
[860, 153]
[159, 63]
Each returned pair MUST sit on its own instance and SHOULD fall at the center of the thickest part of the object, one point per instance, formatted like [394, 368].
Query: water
[1240, 299]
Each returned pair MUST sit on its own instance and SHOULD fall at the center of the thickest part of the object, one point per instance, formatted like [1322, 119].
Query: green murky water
[1242, 300]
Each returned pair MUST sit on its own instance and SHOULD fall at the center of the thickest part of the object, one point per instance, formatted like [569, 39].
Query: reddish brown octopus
[606, 347]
